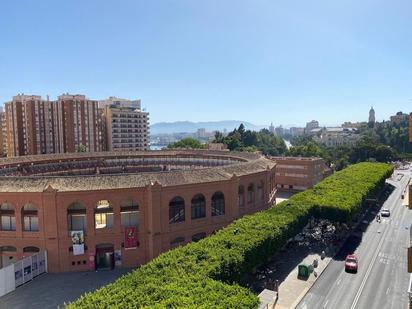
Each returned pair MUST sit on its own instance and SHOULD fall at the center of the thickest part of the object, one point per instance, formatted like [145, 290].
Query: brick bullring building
[125, 207]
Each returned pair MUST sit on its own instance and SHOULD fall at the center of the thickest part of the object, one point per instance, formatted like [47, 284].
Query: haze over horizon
[256, 61]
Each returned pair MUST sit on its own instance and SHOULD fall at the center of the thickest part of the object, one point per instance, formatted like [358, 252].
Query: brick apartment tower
[3, 138]
[29, 126]
[77, 125]
[36, 126]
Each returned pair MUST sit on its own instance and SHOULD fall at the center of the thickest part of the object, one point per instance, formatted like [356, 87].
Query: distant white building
[399, 118]
[271, 128]
[294, 131]
[312, 125]
[201, 133]
[279, 131]
[118, 102]
[333, 137]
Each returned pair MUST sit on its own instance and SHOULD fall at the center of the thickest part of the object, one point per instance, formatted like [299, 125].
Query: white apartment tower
[127, 126]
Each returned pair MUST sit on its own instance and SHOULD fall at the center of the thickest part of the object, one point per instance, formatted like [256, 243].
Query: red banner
[130, 238]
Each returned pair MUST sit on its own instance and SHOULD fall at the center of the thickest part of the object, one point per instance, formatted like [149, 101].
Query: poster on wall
[130, 238]
[78, 242]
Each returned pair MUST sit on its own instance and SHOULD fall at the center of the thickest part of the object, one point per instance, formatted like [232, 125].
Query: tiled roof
[109, 154]
[255, 163]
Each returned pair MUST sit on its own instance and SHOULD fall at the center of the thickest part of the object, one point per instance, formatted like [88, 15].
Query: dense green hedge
[205, 274]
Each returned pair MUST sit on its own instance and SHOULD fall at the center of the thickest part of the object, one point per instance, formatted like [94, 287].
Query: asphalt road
[382, 278]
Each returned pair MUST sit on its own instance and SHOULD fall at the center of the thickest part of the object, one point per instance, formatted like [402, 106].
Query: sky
[285, 62]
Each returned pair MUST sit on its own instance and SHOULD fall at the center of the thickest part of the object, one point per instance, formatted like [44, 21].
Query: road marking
[337, 283]
[326, 303]
[368, 271]
[387, 291]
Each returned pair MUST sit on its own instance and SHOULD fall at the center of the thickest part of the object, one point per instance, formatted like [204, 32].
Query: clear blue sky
[260, 61]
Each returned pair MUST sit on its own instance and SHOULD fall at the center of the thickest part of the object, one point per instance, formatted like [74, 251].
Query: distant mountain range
[188, 126]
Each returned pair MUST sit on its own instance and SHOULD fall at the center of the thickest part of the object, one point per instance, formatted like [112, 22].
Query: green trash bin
[303, 271]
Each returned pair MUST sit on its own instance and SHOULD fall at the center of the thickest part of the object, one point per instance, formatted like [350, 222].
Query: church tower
[372, 115]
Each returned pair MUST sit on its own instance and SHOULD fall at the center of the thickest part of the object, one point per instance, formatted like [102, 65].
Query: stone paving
[53, 290]
[293, 289]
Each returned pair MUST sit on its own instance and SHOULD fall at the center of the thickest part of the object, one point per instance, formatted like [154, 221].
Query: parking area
[53, 290]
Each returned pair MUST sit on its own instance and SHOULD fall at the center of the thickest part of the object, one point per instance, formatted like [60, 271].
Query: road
[382, 279]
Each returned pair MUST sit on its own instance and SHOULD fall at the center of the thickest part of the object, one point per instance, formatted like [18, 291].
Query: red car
[351, 263]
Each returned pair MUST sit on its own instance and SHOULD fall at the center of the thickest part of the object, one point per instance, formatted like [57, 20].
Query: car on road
[385, 212]
[351, 263]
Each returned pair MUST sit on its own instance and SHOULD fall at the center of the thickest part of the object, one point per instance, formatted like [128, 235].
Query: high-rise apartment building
[77, 125]
[3, 138]
[37, 126]
[28, 126]
[127, 126]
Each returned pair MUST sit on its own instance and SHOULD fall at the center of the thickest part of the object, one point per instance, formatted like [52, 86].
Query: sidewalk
[283, 267]
[293, 289]
[50, 291]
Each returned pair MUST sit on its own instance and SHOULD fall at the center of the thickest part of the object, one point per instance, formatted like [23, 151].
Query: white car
[385, 212]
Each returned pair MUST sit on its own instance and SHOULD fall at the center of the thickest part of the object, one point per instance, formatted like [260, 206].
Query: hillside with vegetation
[241, 139]
[207, 274]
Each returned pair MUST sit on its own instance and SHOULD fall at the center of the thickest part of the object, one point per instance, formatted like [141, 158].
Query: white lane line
[369, 268]
[368, 271]
[337, 283]
[326, 303]
[387, 291]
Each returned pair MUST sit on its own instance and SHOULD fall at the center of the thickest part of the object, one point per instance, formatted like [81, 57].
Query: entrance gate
[104, 257]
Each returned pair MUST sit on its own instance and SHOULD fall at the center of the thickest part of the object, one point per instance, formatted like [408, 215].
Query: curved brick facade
[245, 180]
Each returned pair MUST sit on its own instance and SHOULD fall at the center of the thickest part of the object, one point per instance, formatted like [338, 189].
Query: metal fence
[22, 271]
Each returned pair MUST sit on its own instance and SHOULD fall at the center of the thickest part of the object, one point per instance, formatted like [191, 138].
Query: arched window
[76, 217]
[177, 241]
[30, 218]
[30, 249]
[198, 206]
[198, 236]
[241, 196]
[177, 210]
[8, 249]
[260, 191]
[218, 204]
[129, 213]
[103, 215]
[250, 195]
[7, 217]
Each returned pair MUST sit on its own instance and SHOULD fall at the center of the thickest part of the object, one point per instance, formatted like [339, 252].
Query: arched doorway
[104, 257]
[8, 255]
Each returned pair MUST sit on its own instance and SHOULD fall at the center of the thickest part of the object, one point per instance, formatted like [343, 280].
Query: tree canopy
[241, 139]
[187, 143]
